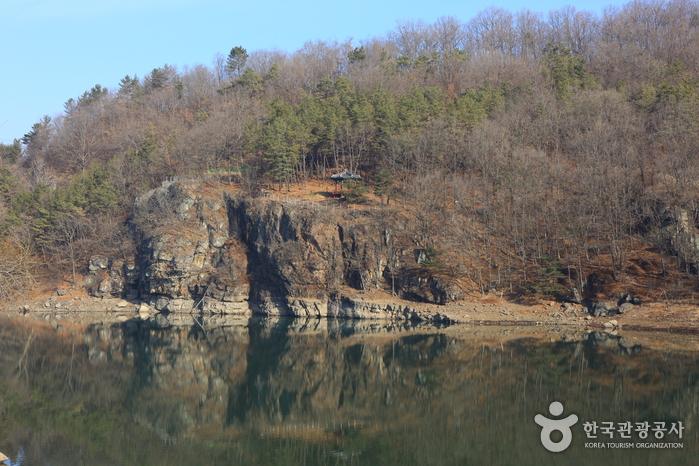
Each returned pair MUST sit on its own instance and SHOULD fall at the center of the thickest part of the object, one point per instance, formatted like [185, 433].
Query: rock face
[205, 250]
[112, 278]
[186, 258]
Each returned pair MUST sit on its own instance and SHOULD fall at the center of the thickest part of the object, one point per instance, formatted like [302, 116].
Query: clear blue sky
[53, 50]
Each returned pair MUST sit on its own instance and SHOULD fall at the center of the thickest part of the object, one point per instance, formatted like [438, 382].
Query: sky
[54, 50]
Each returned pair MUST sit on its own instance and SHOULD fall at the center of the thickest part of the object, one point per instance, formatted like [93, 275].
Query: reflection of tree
[283, 391]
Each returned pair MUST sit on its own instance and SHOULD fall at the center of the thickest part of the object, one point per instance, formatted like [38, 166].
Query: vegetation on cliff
[512, 138]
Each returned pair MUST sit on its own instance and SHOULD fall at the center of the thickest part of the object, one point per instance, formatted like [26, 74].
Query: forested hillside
[535, 146]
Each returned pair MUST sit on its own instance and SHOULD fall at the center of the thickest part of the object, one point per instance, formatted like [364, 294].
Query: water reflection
[283, 391]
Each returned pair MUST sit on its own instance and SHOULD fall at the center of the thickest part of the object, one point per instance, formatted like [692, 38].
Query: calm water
[286, 392]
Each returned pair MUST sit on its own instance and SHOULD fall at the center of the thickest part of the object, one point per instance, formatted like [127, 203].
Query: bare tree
[577, 30]
[491, 30]
[18, 267]
[412, 39]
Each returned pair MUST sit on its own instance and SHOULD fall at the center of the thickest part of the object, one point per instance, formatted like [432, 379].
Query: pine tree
[236, 61]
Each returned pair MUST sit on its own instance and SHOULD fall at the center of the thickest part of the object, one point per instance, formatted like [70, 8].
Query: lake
[315, 392]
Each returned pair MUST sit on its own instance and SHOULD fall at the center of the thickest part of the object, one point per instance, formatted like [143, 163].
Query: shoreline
[671, 318]
[658, 326]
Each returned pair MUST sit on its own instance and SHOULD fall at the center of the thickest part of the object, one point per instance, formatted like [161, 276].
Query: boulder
[626, 307]
[574, 297]
[599, 310]
[628, 299]
[603, 309]
[98, 263]
[610, 324]
[145, 311]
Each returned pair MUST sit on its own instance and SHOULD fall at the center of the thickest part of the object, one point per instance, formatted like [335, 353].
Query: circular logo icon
[561, 425]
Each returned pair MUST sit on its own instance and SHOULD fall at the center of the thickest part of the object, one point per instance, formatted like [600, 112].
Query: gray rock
[626, 307]
[599, 310]
[98, 263]
[627, 298]
[161, 303]
[603, 309]
[420, 255]
[610, 324]
[574, 296]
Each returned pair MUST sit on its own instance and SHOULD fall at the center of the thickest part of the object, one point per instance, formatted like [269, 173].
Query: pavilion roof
[345, 175]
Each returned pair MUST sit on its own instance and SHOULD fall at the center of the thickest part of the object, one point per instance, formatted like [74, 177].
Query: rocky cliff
[204, 249]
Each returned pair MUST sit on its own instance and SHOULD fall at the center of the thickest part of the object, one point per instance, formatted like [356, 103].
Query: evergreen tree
[281, 139]
[236, 61]
[130, 88]
[566, 70]
[357, 56]
[11, 152]
[384, 185]
[355, 192]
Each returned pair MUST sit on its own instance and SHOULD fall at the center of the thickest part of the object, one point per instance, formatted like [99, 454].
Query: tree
[130, 88]
[357, 56]
[411, 38]
[468, 110]
[9, 184]
[492, 30]
[529, 32]
[92, 192]
[547, 280]
[161, 78]
[18, 267]
[281, 139]
[95, 94]
[384, 185]
[432, 259]
[37, 138]
[448, 35]
[355, 192]
[251, 81]
[236, 61]
[70, 232]
[575, 29]
[10, 153]
[566, 70]
[77, 138]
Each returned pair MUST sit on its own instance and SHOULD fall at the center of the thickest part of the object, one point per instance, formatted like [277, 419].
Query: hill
[529, 156]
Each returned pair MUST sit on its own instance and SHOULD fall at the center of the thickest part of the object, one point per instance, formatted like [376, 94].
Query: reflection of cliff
[368, 386]
[188, 379]
[311, 377]
[195, 379]
[182, 374]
